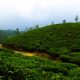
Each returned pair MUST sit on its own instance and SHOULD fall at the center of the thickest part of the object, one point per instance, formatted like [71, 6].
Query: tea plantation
[53, 39]
[60, 41]
[17, 67]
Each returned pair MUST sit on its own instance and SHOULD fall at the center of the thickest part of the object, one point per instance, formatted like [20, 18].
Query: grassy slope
[60, 39]
[18, 67]
[57, 40]
[50, 38]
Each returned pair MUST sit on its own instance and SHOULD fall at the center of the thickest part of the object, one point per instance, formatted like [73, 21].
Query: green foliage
[53, 51]
[4, 34]
[75, 72]
[64, 51]
[51, 39]
[72, 58]
[58, 40]
[6, 50]
[18, 67]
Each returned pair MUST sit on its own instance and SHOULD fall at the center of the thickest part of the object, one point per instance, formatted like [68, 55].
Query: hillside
[51, 39]
[17, 67]
[58, 40]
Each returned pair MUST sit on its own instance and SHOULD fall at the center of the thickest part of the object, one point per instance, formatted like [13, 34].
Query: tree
[17, 31]
[76, 18]
[64, 21]
[52, 23]
[37, 26]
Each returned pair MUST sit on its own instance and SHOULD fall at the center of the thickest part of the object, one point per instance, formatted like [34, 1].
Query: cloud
[38, 11]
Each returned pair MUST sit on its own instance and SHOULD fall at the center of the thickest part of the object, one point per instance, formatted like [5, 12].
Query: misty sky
[28, 13]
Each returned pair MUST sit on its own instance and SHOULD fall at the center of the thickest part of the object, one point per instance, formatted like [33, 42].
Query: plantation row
[17, 67]
[71, 58]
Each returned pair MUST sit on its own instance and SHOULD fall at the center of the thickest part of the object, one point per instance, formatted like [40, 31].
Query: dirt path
[44, 55]
[0, 45]
[25, 53]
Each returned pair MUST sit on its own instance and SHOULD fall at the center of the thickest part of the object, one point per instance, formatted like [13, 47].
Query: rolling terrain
[51, 39]
[18, 67]
[60, 42]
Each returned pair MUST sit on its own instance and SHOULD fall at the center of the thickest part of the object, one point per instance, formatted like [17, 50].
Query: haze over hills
[60, 41]
[4, 34]
[28, 13]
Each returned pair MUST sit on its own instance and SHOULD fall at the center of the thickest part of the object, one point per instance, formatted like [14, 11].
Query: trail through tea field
[44, 55]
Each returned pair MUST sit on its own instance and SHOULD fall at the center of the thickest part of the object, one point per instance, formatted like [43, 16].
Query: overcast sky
[28, 13]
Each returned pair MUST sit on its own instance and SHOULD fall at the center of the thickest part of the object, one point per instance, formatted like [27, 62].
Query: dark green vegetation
[17, 67]
[60, 41]
[71, 58]
[4, 34]
[56, 40]
[53, 39]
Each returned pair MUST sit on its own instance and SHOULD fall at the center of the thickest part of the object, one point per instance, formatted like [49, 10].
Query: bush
[6, 50]
[57, 77]
[75, 72]
[56, 69]
[64, 51]
[53, 51]
[65, 58]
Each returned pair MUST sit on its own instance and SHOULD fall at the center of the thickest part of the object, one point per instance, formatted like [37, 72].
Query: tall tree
[37, 26]
[76, 18]
[64, 21]
[52, 23]
[17, 31]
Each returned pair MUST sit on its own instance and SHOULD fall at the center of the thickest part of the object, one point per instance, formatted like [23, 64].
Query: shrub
[6, 50]
[75, 72]
[53, 51]
[64, 51]
[65, 58]
[56, 69]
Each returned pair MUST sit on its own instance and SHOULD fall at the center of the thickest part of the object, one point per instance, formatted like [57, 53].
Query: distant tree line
[4, 34]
